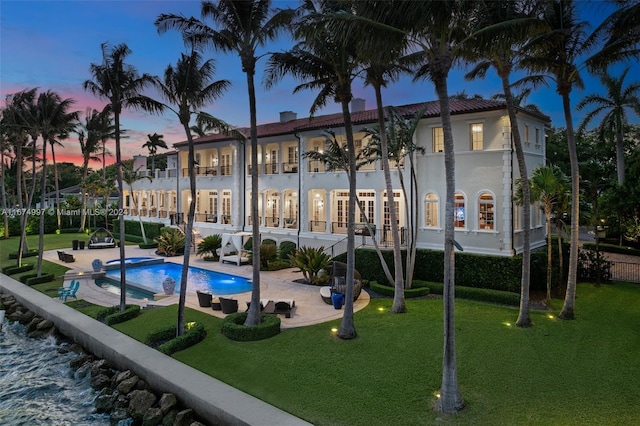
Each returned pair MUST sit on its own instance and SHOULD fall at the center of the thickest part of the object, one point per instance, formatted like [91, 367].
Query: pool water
[128, 260]
[113, 286]
[149, 278]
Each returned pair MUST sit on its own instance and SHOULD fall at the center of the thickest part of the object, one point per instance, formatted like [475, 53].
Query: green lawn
[555, 373]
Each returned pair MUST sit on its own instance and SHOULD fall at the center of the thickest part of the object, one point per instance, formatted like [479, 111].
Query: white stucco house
[302, 202]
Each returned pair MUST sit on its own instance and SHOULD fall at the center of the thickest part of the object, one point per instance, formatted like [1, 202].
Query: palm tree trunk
[188, 232]
[523, 316]
[547, 213]
[450, 400]
[253, 316]
[83, 211]
[4, 195]
[43, 191]
[55, 179]
[398, 305]
[620, 154]
[347, 328]
[123, 270]
[567, 311]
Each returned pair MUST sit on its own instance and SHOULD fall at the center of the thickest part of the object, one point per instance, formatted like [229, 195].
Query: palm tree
[327, 61]
[557, 52]
[5, 147]
[186, 89]
[503, 28]
[90, 143]
[245, 26]
[614, 105]
[548, 185]
[121, 85]
[130, 176]
[154, 142]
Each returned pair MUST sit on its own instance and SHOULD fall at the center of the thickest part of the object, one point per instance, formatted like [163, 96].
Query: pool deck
[274, 285]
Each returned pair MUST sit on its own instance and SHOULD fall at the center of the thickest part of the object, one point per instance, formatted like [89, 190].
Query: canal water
[37, 386]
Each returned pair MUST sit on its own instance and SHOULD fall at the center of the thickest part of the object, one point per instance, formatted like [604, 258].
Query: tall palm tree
[52, 119]
[502, 29]
[244, 26]
[120, 84]
[130, 176]
[327, 61]
[558, 52]
[187, 88]
[90, 139]
[154, 142]
[5, 147]
[615, 106]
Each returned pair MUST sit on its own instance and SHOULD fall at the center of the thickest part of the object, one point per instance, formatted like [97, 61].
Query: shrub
[612, 248]
[30, 253]
[148, 246]
[160, 336]
[170, 242]
[13, 269]
[287, 248]
[209, 245]
[132, 228]
[589, 265]
[233, 327]
[390, 291]
[310, 261]
[479, 294]
[193, 334]
[268, 253]
[32, 279]
[112, 315]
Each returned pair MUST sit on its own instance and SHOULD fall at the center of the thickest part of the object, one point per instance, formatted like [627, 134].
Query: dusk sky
[51, 44]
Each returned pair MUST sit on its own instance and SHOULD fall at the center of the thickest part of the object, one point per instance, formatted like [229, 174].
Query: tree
[327, 61]
[121, 85]
[186, 89]
[502, 29]
[154, 142]
[615, 106]
[244, 26]
[130, 176]
[90, 139]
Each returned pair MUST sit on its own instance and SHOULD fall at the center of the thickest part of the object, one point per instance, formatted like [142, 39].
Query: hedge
[612, 248]
[132, 228]
[151, 245]
[112, 315]
[13, 269]
[194, 334]
[233, 327]
[31, 253]
[409, 293]
[286, 248]
[33, 279]
[480, 294]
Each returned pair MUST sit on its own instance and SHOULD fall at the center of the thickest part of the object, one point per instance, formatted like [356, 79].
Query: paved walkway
[274, 285]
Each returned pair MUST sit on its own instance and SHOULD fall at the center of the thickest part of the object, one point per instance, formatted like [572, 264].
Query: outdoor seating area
[101, 238]
[65, 292]
[204, 299]
[338, 284]
[228, 306]
[66, 257]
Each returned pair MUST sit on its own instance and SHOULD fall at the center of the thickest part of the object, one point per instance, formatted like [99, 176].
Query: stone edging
[212, 400]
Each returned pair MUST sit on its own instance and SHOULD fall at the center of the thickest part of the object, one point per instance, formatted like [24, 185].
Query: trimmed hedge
[33, 279]
[409, 293]
[612, 248]
[148, 246]
[30, 253]
[112, 315]
[132, 229]
[480, 294]
[233, 327]
[13, 269]
[286, 248]
[192, 336]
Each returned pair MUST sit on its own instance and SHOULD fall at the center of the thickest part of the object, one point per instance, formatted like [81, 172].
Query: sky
[51, 44]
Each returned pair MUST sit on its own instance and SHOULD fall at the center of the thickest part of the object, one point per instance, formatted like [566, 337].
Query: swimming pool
[128, 260]
[113, 286]
[148, 278]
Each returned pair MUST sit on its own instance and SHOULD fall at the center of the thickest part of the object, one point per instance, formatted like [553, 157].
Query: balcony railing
[317, 226]
[272, 222]
[225, 170]
[316, 166]
[289, 167]
[250, 220]
[207, 171]
[271, 168]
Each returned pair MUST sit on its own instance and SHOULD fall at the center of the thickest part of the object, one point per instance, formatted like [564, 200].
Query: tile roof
[458, 106]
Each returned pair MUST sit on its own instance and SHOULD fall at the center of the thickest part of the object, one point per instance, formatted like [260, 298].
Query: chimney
[286, 116]
[357, 105]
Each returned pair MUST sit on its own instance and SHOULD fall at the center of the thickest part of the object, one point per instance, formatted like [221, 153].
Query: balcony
[289, 167]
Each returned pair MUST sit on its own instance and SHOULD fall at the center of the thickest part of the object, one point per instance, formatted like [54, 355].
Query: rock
[142, 385]
[80, 361]
[123, 376]
[101, 366]
[122, 401]
[128, 385]
[139, 402]
[168, 402]
[26, 317]
[105, 402]
[184, 418]
[44, 325]
[170, 418]
[118, 415]
[197, 423]
[38, 334]
[33, 324]
[100, 381]
[152, 417]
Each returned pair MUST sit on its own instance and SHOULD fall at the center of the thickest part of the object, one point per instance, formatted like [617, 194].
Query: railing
[625, 271]
[289, 167]
[207, 171]
[250, 220]
[162, 214]
[225, 170]
[271, 168]
[339, 227]
[316, 166]
[272, 222]
[317, 226]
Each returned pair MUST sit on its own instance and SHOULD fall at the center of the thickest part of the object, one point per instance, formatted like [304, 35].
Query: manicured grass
[557, 372]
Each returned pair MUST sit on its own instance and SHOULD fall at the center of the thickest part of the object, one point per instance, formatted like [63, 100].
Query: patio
[274, 285]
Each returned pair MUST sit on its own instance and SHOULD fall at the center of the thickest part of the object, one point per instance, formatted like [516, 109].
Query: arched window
[431, 210]
[486, 207]
[459, 211]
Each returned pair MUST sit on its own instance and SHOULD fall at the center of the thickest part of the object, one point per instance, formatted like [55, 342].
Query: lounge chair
[215, 304]
[204, 298]
[284, 307]
[66, 257]
[263, 303]
[228, 306]
[338, 273]
[66, 292]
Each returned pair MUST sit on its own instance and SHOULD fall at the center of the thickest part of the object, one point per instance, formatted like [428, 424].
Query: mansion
[302, 202]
